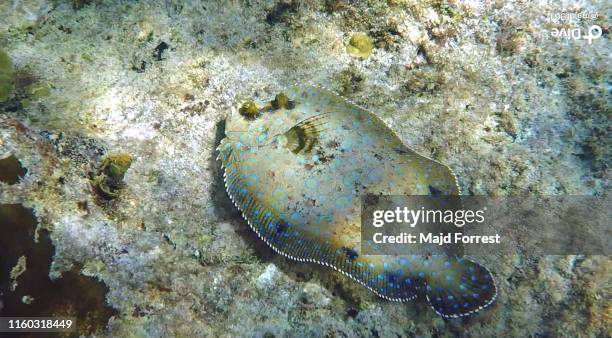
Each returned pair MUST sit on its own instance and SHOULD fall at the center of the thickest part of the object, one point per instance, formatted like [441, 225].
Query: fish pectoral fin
[304, 136]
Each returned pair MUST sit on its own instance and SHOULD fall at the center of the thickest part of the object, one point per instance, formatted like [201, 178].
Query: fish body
[297, 166]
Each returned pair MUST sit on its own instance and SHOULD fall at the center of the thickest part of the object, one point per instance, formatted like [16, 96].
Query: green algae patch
[25, 286]
[6, 76]
[109, 180]
[360, 45]
[11, 170]
[350, 81]
[38, 90]
[35, 92]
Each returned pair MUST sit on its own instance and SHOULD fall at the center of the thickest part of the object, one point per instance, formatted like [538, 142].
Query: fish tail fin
[460, 288]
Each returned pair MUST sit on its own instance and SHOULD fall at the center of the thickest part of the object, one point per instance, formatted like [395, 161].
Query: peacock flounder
[296, 167]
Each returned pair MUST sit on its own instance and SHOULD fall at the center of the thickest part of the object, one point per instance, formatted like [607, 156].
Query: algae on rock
[109, 180]
[6, 76]
[360, 45]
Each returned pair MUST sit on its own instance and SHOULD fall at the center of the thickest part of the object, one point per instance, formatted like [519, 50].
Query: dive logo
[593, 33]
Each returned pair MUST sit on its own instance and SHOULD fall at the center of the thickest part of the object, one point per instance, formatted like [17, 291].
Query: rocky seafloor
[111, 112]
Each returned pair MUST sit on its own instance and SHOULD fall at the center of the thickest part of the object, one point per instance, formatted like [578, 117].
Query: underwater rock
[140, 68]
[313, 293]
[350, 81]
[515, 42]
[159, 51]
[23, 14]
[79, 4]
[281, 11]
[269, 277]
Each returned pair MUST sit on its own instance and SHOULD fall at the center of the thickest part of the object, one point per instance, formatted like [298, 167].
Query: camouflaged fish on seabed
[297, 166]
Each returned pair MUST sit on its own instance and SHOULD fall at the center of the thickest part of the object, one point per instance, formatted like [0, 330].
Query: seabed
[154, 242]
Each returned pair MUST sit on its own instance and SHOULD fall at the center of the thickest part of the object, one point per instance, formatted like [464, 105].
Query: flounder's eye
[281, 100]
[249, 110]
